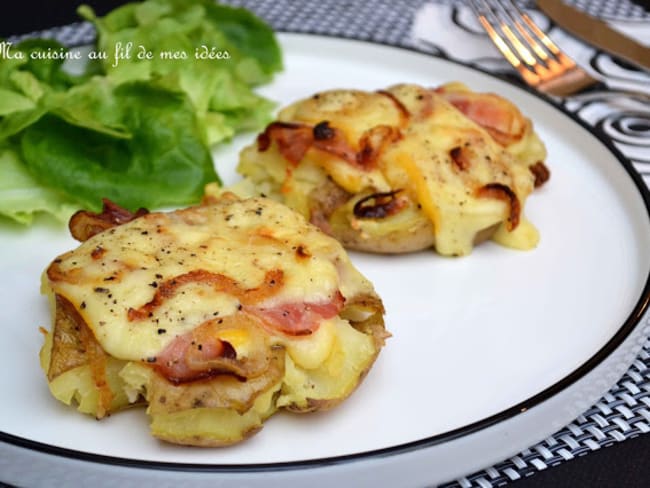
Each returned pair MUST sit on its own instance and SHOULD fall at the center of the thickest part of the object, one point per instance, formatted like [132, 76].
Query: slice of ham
[502, 119]
[295, 139]
[195, 355]
[201, 353]
[299, 318]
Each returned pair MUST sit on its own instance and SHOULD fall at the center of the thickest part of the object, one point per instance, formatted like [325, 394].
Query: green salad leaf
[166, 81]
[157, 157]
[21, 196]
[212, 52]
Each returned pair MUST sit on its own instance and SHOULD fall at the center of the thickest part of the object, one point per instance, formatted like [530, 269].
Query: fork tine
[503, 17]
[534, 37]
[562, 58]
[488, 19]
[539, 61]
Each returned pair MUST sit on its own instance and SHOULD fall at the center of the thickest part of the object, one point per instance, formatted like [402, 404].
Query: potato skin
[407, 231]
[214, 426]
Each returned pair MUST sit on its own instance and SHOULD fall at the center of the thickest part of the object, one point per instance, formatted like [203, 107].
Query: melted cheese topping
[352, 111]
[452, 143]
[121, 269]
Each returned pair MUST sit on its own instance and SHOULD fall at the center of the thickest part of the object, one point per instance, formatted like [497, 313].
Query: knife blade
[596, 32]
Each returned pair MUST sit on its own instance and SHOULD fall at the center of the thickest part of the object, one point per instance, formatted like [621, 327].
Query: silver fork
[539, 61]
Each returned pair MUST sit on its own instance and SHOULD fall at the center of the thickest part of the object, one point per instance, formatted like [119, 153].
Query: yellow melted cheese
[419, 163]
[121, 269]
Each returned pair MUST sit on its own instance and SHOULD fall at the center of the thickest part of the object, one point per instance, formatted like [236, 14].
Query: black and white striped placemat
[624, 412]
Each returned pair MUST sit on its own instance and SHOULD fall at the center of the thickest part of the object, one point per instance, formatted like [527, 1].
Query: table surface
[623, 464]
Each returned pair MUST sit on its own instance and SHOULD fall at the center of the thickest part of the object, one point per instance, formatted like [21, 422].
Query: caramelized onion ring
[378, 205]
[273, 281]
[505, 193]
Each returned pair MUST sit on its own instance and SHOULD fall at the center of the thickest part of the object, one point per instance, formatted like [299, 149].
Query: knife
[596, 32]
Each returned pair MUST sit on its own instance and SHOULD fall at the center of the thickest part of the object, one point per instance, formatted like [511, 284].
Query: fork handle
[573, 81]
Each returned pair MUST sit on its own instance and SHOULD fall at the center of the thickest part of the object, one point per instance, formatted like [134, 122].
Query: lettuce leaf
[158, 159]
[142, 41]
[22, 197]
[137, 131]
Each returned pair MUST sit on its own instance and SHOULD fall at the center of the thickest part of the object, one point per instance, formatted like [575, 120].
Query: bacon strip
[84, 224]
[294, 140]
[200, 354]
[505, 193]
[503, 121]
[299, 318]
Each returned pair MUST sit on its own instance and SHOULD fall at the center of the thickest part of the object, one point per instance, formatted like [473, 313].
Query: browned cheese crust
[257, 343]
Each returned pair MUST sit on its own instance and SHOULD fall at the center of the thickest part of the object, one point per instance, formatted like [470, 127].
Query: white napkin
[451, 29]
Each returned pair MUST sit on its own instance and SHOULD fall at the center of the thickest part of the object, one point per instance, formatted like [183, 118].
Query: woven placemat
[624, 412]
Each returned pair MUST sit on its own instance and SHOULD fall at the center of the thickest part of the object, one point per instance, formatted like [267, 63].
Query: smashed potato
[403, 169]
[210, 316]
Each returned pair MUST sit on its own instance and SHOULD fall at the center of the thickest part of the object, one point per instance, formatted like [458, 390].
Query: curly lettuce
[138, 128]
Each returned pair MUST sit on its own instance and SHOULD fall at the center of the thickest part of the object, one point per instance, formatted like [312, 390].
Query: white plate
[490, 353]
